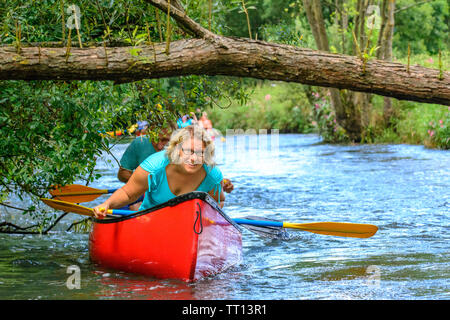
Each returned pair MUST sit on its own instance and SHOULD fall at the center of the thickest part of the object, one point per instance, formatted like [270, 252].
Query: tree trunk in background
[353, 109]
[385, 49]
[315, 18]
[361, 101]
[348, 106]
[342, 21]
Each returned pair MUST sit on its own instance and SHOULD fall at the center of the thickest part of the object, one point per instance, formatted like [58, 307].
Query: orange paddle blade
[77, 193]
[68, 207]
[340, 229]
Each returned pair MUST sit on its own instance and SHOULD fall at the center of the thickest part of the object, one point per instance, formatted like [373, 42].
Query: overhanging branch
[183, 21]
[229, 57]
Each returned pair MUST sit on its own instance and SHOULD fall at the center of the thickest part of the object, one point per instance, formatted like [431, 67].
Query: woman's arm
[124, 174]
[130, 192]
[194, 117]
[217, 195]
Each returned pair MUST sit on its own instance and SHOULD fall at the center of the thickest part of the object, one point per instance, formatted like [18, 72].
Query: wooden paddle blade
[68, 207]
[76, 193]
[73, 189]
[340, 229]
[77, 198]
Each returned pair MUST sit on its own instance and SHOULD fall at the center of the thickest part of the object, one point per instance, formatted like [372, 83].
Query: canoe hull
[187, 238]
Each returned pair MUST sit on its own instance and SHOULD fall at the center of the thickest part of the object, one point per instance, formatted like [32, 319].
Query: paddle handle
[120, 212]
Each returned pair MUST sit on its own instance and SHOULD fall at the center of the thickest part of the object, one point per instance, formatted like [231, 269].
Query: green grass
[428, 61]
[413, 123]
[272, 105]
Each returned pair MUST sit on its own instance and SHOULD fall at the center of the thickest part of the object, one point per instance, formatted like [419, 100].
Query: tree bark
[314, 15]
[230, 57]
[361, 101]
[385, 50]
[316, 22]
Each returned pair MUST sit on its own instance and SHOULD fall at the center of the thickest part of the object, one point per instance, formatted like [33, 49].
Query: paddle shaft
[341, 229]
[259, 223]
[100, 191]
[121, 212]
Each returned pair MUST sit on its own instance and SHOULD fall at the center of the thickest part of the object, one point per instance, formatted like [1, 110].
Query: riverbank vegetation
[288, 107]
[304, 109]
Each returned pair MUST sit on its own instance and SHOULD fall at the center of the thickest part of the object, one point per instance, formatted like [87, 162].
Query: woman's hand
[130, 192]
[227, 186]
[101, 210]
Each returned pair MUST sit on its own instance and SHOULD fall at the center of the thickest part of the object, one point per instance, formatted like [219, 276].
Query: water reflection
[123, 286]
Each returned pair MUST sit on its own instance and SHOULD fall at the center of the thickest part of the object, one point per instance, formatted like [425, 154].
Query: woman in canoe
[186, 165]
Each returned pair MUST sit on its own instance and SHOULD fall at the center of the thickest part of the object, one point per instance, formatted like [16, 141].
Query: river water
[403, 189]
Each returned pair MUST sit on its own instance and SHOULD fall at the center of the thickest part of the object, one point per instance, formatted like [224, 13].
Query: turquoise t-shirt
[182, 124]
[158, 188]
[138, 150]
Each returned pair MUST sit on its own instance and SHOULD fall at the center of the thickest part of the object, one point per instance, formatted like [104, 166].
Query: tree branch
[412, 5]
[184, 22]
[229, 57]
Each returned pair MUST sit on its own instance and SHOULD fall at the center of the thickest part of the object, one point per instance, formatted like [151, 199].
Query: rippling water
[402, 189]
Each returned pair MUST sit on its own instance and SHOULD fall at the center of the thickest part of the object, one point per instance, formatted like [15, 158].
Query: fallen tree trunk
[230, 57]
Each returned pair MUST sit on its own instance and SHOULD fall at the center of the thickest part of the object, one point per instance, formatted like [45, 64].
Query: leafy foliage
[52, 131]
[423, 25]
[439, 132]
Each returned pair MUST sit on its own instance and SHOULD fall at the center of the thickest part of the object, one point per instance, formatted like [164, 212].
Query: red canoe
[188, 238]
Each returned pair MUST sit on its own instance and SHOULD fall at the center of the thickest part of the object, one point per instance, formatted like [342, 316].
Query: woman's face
[192, 155]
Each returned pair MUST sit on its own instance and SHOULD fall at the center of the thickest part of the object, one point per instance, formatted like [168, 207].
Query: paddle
[75, 208]
[266, 231]
[341, 229]
[77, 193]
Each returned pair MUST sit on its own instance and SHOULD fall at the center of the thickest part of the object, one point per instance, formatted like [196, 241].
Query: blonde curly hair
[196, 132]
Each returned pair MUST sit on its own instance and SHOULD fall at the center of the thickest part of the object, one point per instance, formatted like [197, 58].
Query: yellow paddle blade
[76, 193]
[68, 207]
[340, 229]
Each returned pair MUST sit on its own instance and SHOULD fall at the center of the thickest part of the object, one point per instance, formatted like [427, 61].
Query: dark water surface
[402, 189]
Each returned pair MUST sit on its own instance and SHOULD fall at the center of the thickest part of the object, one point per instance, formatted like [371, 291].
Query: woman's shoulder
[214, 174]
[155, 162]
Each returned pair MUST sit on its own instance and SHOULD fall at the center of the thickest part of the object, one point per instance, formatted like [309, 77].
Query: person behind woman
[140, 149]
[186, 165]
[186, 120]
[205, 122]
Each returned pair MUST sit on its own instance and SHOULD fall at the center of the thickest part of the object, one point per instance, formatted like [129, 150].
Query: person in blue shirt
[142, 127]
[186, 165]
[140, 149]
[186, 120]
